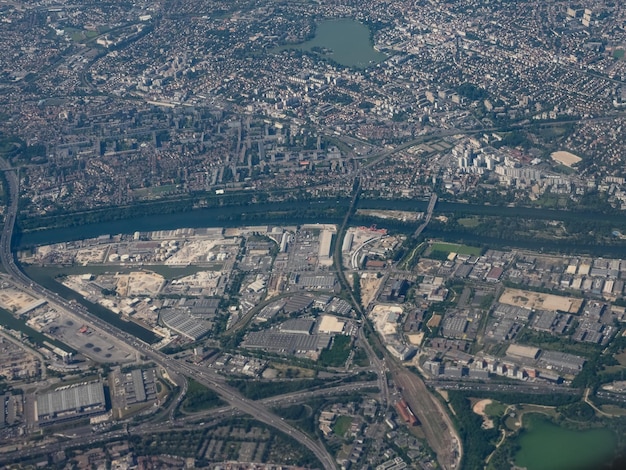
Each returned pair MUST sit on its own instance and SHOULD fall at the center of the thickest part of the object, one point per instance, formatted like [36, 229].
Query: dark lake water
[546, 446]
[345, 41]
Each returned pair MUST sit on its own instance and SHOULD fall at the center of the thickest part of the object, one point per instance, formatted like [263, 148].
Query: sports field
[455, 248]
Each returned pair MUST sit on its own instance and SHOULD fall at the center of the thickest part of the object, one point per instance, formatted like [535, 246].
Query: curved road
[177, 369]
[211, 416]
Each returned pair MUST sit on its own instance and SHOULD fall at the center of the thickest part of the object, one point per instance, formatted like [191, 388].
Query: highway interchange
[439, 430]
[177, 370]
[193, 422]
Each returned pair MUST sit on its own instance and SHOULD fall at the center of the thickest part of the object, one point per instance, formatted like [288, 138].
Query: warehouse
[286, 343]
[297, 304]
[317, 281]
[325, 256]
[75, 401]
[301, 326]
[562, 361]
[184, 324]
[522, 352]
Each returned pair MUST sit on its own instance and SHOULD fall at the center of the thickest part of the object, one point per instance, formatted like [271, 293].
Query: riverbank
[492, 226]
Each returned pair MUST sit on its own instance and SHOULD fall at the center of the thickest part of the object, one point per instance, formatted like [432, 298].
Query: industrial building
[74, 401]
[406, 413]
[184, 324]
[561, 361]
[301, 326]
[325, 256]
[297, 304]
[523, 352]
[317, 281]
[286, 343]
[347, 242]
[454, 326]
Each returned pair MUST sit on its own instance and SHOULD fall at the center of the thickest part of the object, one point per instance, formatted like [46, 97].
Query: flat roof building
[325, 256]
[301, 326]
[184, 324]
[331, 324]
[523, 352]
[75, 401]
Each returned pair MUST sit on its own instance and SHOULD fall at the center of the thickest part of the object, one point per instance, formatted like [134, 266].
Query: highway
[176, 369]
[436, 424]
[521, 387]
[189, 423]
[429, 215]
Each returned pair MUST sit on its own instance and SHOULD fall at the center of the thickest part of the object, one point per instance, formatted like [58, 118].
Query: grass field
[495, 409]
[540, 409]
[79, 35]
[454, 248]
[342, 425]
[621, 358]
[613, 410]
[199, 398]
[294, 371]
[337, 355]
[470, 222]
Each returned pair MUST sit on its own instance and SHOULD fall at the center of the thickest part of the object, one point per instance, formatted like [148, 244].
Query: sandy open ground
[416, 339]
[13, 299]
[536, 300]
[369, 288]
[479, 409]
[566, 158]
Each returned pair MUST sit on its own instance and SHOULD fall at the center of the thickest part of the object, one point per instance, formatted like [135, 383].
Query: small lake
[344, 41]
[546, 446]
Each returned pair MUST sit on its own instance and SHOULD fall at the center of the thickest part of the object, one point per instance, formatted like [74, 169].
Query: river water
[296, 213]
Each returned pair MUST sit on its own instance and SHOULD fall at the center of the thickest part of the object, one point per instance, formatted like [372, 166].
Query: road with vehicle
[176, 369]
[195, 421]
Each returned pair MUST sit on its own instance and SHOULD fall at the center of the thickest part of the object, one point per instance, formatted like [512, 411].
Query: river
[331, 211]
[285, 213]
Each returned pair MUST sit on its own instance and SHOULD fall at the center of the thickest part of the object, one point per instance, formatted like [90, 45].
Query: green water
[325, 211]
[43, 276]
[332, 212]
[345, 41]
[7, 320]
[545, 446]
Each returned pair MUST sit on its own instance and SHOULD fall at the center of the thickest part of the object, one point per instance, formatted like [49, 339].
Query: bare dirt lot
[566, 158]
[536, 300]
[14, 299]
[369, 287]
[479, 409]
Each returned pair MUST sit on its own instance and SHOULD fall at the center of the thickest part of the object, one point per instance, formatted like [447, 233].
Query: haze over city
[337, 234]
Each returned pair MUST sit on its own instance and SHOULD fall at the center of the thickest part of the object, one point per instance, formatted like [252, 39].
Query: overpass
[176, 368]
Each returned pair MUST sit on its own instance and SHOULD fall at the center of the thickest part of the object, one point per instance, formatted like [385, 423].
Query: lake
[546, 446]
[344, 41]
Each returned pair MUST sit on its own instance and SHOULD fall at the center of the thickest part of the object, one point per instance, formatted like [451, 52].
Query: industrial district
[330, 234]
[261, 310]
